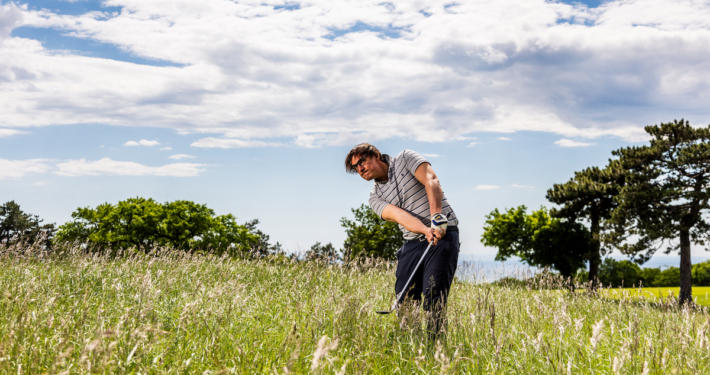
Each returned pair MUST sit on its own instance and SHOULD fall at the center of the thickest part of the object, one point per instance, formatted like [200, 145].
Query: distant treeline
[617, 273]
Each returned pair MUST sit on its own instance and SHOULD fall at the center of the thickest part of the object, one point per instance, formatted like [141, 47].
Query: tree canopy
[144, 223]
[16, 225]
[538, 239]
[590, 194]
[370, 236]
[666, 195]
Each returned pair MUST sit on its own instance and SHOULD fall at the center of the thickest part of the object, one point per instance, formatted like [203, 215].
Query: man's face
[364, 166]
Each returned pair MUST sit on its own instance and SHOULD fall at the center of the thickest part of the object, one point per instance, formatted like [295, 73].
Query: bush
[669, 277]
[620, 273]
[146, 224]
[322, 253]
[701, 273]
[369, 236]
[650, 276]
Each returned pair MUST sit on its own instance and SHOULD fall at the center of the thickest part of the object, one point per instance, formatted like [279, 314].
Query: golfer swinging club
[407, 192]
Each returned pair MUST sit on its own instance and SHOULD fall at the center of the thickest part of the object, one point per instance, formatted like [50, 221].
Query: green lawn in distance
[701, 294]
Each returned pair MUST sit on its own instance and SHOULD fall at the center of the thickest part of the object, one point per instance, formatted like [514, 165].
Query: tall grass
[176, 313]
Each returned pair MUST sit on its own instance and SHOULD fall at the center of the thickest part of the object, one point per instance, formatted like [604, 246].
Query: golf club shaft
[406, 285]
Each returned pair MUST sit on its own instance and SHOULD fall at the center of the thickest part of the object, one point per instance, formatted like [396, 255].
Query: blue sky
[250, 107]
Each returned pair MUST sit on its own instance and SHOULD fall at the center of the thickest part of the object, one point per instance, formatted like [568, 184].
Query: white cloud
[473, 144]
[181, 156]
[504, 139]
[10, 18]
[570, 143]
[485, 187]
[231, 143]
[165, 148]
[522, 186]
[40, 183]
[9, 132]
[248, 71]
[142, 142]
[106, 166]
[431, 155]
[20, 168]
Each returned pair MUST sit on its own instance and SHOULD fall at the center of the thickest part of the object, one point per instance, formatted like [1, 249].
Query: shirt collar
[390, 170]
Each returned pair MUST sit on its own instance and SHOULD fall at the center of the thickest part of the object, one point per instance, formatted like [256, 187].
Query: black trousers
[433, 278]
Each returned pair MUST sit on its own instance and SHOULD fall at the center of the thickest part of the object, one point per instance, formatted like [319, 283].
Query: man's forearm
[403, 218]
[435, 195]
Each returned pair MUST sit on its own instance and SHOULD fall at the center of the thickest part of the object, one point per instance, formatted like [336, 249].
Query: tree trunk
[686, 278]
[596, 256]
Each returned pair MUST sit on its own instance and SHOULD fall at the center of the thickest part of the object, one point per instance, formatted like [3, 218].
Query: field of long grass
[180, 314]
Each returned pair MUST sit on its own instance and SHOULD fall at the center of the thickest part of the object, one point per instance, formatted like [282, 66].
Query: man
[406, 191]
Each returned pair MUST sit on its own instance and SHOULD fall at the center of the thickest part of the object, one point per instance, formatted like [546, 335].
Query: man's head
[366, 160]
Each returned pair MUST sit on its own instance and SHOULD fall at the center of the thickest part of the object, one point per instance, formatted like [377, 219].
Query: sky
[250, 106]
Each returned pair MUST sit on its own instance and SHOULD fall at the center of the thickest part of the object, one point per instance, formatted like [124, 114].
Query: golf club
[408, 281]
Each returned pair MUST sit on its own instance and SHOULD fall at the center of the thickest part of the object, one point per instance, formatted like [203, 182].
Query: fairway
[701, 294]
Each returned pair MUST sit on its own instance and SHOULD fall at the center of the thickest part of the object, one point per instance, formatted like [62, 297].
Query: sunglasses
[357, 165]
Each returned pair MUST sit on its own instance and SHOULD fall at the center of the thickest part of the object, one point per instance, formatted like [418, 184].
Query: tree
[18, 225]
[666, 195]
[620, 273]
[590, 194]
[701, 273]
[668, 277]
[370, 236]
[263, 246]
[538, 239]
[650, 276]
[322, 253]
[145, 223]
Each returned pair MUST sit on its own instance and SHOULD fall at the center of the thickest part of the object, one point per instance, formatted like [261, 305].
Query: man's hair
[363, 149]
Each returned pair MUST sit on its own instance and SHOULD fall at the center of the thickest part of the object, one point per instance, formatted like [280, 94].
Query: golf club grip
[406, 285]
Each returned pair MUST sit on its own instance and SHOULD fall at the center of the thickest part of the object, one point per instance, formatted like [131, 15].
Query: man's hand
[433, 234]
[439, 221]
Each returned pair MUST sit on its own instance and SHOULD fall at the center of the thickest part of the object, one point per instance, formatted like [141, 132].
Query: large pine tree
[666, 195]
[589, 195]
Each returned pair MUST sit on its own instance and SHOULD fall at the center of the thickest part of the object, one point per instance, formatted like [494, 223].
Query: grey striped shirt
[403, 190]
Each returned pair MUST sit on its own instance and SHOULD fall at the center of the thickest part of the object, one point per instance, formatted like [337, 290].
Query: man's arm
[410, 223]
[425, 174]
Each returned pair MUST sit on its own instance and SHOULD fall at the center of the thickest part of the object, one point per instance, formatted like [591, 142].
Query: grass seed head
[322, 351]
[596, 334]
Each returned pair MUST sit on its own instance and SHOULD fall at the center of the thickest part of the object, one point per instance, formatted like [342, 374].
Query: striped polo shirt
[403, 190]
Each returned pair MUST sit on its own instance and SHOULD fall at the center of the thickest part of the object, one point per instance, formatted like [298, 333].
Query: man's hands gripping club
[439, 223]
[412, 224]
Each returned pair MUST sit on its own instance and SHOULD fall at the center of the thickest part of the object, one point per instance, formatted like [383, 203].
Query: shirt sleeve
[377, 204]
[413, 160]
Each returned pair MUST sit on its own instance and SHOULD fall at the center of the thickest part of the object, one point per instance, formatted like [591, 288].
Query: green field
[179, 314]
[701, 294]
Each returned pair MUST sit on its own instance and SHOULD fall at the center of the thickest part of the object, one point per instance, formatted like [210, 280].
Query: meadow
[170, 312]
